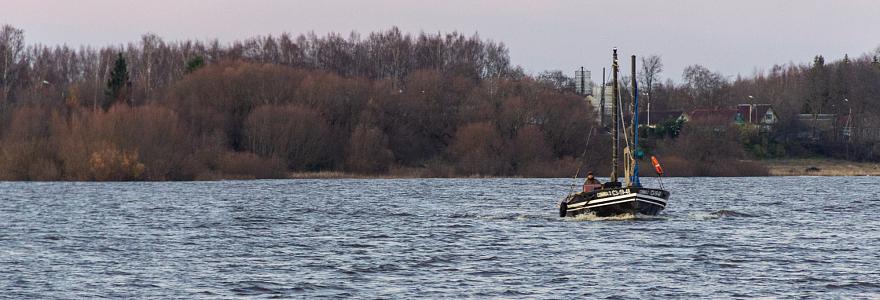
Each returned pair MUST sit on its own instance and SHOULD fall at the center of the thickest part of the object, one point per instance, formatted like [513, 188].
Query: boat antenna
[635, 126]
[615, 135]
[582, 162]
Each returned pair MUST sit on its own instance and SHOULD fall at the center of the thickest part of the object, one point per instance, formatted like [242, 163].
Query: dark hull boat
[605, 202]
[614, 197]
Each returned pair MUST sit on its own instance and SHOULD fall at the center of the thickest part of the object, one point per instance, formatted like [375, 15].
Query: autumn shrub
[156, 133]
[565, 121]
[27, 152]
[420, 120]
[674, 165]
[706, 149]
[152, 133]
[368, 151]
[439, 169]
[110, 163]
[478, 149]
[44, 170]
[246, 165]
[27, 160]
[528, 149]
[296, 135]
[555, 168]
[677, 166]
[220, 97]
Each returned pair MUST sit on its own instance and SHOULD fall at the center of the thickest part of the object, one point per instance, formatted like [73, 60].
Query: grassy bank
[820, 167]
[777, 167]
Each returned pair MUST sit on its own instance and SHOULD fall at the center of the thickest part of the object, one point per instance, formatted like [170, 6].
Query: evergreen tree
[194, 63]
[118, 85]
[842, 80]
[819, 90]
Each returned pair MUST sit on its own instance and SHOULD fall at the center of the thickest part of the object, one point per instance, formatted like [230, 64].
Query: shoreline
[775, 168]
[820, 167]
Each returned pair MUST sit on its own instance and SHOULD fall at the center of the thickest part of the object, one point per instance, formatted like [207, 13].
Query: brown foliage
[112, 164]
[151, 135]
[447, 105]
[705, 143]
[297, 135]
[221, 96]
[529, 145]
[706, 150]
[478, 149]
[246, 165]
[26, 152]
[368, 151]
[555, 168]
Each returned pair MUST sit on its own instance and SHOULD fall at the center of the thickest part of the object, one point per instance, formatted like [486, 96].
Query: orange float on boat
[656, 165]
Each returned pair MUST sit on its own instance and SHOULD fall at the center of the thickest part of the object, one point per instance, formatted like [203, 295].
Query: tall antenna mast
[614, 118]
[602, 101]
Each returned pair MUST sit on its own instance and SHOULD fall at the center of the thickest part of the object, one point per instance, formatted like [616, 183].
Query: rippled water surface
[432, 238]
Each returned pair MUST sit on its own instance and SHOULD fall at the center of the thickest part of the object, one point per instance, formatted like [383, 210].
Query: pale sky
[733, 37]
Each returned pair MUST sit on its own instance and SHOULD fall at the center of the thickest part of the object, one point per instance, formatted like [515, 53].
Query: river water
[776, 237]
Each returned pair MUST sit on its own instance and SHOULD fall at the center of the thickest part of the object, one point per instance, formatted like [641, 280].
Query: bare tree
[652, 66]
[557, 80]
[703, 85]
[11, 52]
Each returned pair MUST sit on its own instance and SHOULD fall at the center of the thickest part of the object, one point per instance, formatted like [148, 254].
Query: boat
[614, 197]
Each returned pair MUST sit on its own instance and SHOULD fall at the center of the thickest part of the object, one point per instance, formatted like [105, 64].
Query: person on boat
[591, 179]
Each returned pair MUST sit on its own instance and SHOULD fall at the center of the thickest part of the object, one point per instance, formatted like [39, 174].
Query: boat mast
[635, 125]
[615, 135]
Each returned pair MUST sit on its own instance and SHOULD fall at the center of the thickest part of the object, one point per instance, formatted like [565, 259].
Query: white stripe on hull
[603, 201]
[610, 201]
[653, 198]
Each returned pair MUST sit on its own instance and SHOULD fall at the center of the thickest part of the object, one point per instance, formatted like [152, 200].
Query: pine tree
[118, 84]
[194, 64]
[819, 93]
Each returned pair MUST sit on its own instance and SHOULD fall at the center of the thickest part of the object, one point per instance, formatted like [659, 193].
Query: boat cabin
[589, 187]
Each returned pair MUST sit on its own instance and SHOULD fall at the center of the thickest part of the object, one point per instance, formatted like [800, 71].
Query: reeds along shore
[747, 168]
[822, 167]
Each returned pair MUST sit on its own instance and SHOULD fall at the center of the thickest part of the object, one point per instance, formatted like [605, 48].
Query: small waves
[857, 286]
[724, 213]
[623, 217]
[502, 216]
[461, 238]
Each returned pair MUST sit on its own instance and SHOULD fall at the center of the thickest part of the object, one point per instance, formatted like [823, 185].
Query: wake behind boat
[615, 197]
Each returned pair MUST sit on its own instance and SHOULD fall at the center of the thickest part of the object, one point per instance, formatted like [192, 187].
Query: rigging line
[581, 165]
[660, 179]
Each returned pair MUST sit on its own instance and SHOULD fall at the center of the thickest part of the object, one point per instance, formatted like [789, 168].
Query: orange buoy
[656, 165]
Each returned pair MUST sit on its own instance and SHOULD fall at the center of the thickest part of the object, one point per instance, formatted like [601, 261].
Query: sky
[733, 37]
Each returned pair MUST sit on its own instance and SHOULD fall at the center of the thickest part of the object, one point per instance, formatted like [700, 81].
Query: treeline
[388, 103]
[43, 73]
[847, 89]
[430, 105]
[839, 87]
